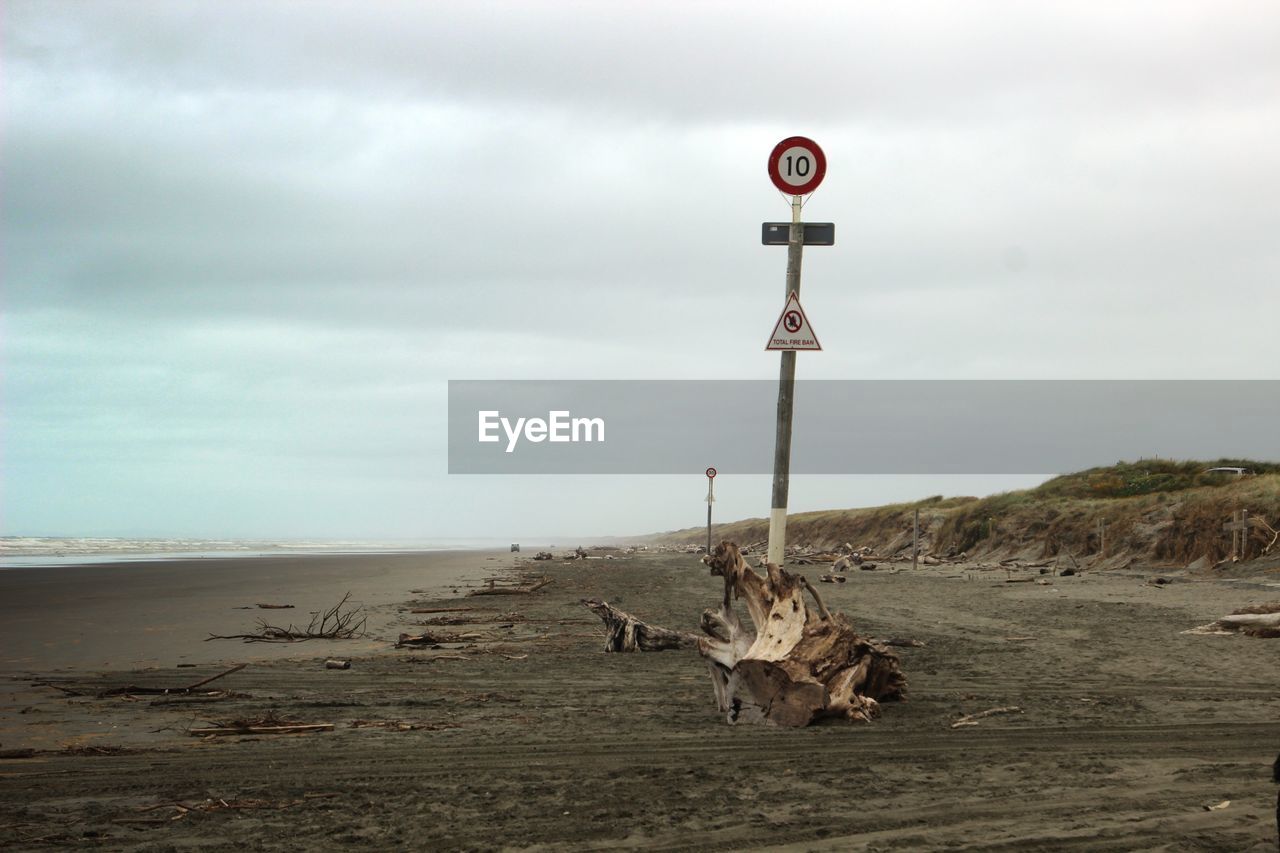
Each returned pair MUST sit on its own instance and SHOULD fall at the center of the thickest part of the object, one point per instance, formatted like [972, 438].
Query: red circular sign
[791, 321]
[797, 165]
[711, 473]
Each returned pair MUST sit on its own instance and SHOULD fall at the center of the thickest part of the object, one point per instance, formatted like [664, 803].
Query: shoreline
[9, 562]
[158, 612]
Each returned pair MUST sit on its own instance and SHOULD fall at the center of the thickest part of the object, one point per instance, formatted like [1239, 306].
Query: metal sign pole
[915, 540]
[786, 402]
[711, 498]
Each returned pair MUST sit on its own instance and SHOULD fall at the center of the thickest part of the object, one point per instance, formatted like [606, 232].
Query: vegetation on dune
[1155, 510]
[1146, 476]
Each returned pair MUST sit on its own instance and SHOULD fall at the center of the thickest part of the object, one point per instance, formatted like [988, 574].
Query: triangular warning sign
[793, 331]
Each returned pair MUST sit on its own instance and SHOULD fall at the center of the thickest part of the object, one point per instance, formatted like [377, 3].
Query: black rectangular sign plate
[815, 233]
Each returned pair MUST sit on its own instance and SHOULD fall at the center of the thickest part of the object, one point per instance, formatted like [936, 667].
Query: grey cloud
[254, 240]
[691, 62]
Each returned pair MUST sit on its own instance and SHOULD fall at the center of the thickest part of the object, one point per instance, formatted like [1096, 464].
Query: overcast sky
[246, 245]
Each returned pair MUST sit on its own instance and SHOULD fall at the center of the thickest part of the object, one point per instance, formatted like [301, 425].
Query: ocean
[32, 551]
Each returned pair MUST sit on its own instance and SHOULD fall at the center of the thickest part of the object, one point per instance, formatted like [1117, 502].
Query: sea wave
[18, 551]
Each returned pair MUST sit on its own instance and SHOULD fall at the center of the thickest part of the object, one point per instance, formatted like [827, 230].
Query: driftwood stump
[626, 633]
[796, 666]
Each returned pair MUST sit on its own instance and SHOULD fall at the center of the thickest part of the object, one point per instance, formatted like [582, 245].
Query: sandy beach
[523, 735]
[157, 613]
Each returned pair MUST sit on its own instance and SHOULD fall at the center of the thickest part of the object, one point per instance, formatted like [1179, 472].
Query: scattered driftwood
[626, 633]
[337, 623]
[1262, 620]
[262, 730]
[451, 620]
[903, 641]
[269, 724]
[797, 665]
[181, 810]
[433, 658]
[7, 754]
[426, 638]
[133, 690]
[402, 725]
[833, 578]
[809, 559]
[542, 556]
[198, 698]
[1015, 563]
[972, 719]
[334, 663]
[526, 589]
[275, 606]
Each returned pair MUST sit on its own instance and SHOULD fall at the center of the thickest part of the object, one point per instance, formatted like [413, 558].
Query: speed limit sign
[797, 165]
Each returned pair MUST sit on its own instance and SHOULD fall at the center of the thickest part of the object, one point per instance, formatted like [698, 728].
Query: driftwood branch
[262, 730]
[268, 724]
[339, 622]
[626, 633]
[972, 719]
[817, 599]
[133, 690]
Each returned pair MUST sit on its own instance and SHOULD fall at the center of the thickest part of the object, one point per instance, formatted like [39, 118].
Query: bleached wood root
[797, 664]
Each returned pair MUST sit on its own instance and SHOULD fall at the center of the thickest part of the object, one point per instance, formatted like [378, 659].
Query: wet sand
[529, 737]
[159, 612]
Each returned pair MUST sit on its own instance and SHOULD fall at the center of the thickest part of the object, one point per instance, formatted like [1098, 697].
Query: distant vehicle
[1239, 472]
[515, 547]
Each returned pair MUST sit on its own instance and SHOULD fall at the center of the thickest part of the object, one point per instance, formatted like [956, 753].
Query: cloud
[265, 234]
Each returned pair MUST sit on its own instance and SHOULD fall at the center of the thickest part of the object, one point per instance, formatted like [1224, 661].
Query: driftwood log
[794, 665]
[526, 589]
[1260, 620]
[626, 633]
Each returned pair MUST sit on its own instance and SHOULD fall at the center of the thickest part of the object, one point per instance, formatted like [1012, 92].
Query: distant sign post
[711, 498]
[796, 167]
